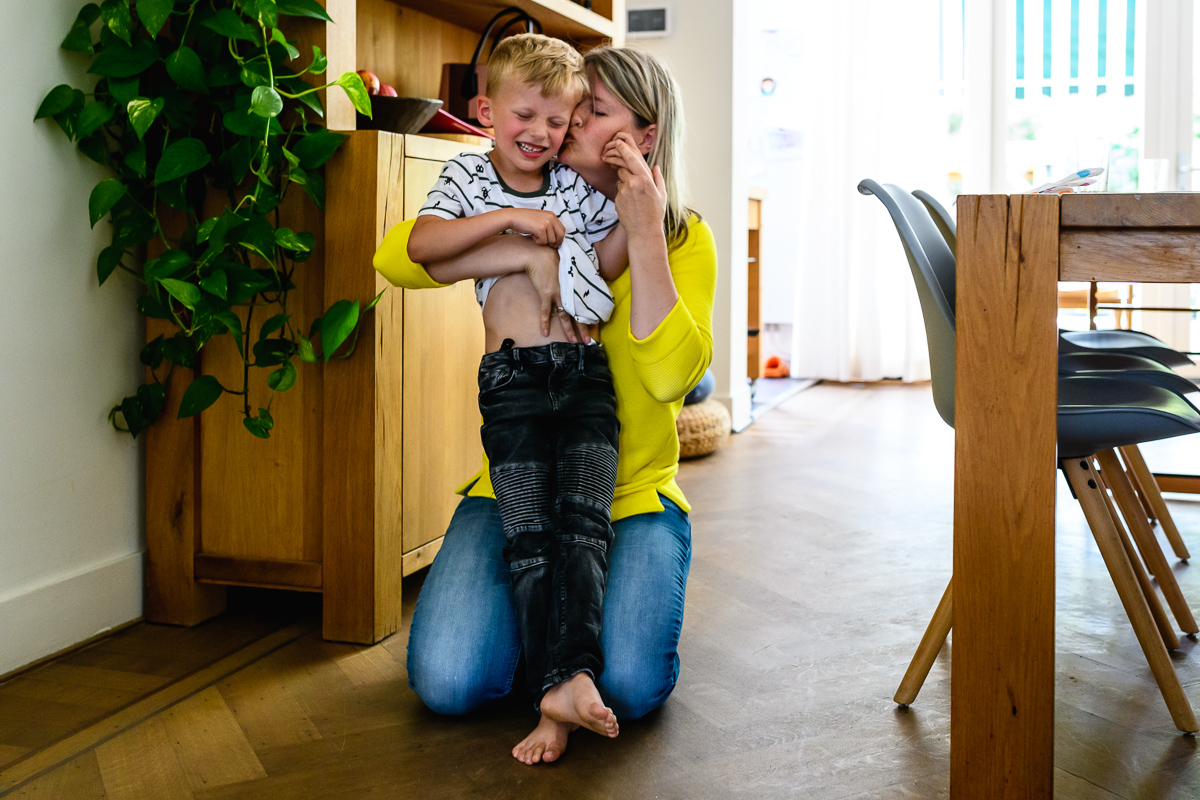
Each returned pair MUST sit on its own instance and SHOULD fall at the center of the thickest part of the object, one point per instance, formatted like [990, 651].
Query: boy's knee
[446, 693]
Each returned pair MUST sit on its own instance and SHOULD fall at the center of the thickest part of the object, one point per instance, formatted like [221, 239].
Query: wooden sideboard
[354, 489]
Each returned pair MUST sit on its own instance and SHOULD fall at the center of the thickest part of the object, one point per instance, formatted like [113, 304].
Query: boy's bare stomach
[514, 311]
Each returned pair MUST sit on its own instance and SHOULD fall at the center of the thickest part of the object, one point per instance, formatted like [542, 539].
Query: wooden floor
[821, 546]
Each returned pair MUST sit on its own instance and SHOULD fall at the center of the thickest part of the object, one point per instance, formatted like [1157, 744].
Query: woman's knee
[450, 688]
[634, 689]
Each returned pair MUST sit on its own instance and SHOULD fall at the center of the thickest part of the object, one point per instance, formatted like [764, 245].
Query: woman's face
[597, 119]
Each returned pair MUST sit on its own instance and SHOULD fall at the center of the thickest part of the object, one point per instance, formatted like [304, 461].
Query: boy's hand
[542, 226]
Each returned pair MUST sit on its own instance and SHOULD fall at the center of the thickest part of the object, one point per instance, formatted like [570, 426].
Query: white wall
[704, 53]
[71, 494]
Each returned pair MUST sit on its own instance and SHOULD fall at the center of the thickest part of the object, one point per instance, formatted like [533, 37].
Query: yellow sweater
[651, 375]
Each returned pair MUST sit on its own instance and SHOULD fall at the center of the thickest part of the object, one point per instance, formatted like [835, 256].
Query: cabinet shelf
[561, 18]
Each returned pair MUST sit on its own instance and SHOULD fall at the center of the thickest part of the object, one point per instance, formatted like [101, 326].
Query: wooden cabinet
[754, 358]
[354, 489]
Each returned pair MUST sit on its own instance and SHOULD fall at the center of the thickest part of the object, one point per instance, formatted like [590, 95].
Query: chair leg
[1085, 481]
[1142, 498]
[1156, 562]
[1156, 609]
[1137, 465]
[931, 644]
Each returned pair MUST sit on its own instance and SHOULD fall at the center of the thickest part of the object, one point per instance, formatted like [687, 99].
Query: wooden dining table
[1012, 251]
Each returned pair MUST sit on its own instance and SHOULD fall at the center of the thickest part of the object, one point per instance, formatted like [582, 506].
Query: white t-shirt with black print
[469, 185]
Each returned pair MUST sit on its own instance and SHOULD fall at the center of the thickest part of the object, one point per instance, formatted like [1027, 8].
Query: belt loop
[507, 344]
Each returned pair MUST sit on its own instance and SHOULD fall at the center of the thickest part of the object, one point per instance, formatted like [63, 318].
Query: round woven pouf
[702, 428]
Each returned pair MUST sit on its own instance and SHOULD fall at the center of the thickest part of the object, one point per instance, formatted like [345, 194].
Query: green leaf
[271, 352]
[313, 101]
[142, 113]
[56, 101]
[227, 23]
[283, 378]
[181, 158]
[179, 350]
[227, 222]
[302, 8]
[153, 396]
[305, 349]
[202, 393]
[103, 198]
[315, 149]
[319, 61]
[337, 325]
[244, 124]
[123, 90]
[116, 16]
[258, 235]
[79, 38]
[135, 159]
[133, 228]
[166, 265]
[95, 148]
[216, 283]
[255, 73]
[266, 102]
[154, 14]
[262, 11]
[356, 91]
[120, 60]
[234, 325]
[148, 306]
[109, 258]
[225, 73]
[375, 302]
[92, 117]
[260, 427]
[184, 292]
[151, 354]
[300, 242]
[185, 68]
[275, 323]
[205, 230]
[278, 38]
[313, 185]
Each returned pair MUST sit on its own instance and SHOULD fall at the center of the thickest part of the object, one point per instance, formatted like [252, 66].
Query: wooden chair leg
[1137, 465]
[1085, 481]
[1147, 509]
[1156, 562]
[931, 644]
[1161, 621]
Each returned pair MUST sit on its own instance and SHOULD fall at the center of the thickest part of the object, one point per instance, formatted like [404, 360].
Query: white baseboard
[69, 609]
[737, 403]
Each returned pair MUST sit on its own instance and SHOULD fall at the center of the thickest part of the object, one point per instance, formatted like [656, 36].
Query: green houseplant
[208, 116]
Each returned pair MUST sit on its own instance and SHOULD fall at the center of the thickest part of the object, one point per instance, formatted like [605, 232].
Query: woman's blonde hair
[644, 86]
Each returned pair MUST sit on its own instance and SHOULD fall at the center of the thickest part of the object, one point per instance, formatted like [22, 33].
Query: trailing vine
[207, 120]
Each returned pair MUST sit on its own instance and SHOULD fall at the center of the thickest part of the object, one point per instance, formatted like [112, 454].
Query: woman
[464, 643]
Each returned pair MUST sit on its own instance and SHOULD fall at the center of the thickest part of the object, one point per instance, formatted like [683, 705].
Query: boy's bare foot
[547, 742]
[576, 701]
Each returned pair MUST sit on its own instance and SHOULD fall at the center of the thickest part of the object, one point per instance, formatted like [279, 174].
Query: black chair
[1095, 415]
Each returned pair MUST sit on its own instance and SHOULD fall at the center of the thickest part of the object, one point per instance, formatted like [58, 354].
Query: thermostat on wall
[648, 22]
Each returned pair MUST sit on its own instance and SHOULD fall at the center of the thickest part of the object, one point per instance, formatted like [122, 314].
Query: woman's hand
[641, 194]
[542, 269]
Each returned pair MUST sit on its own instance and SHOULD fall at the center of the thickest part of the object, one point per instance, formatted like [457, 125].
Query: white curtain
[872, 111]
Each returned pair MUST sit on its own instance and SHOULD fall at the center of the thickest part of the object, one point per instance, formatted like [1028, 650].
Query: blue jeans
[464, 642]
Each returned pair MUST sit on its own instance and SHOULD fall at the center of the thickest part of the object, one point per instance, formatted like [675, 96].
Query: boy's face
[529, 128]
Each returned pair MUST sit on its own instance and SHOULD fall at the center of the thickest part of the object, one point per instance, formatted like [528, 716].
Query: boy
[548, 407]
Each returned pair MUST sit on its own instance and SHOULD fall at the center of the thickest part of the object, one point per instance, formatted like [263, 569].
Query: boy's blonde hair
[540, 61]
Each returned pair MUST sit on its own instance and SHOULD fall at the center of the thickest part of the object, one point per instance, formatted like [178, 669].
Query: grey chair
[1095, 415]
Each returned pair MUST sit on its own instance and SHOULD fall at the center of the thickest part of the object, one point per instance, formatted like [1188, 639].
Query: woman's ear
[485, 112]
[648, 136]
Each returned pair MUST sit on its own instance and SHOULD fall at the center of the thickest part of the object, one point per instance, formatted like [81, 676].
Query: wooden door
[443, 342]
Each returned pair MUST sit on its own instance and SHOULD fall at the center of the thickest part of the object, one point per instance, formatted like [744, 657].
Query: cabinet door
[443, 342]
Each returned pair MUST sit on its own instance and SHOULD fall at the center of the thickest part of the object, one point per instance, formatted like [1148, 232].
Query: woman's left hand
[641, 193]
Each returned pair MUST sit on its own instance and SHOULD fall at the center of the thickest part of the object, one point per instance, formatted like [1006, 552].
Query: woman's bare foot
[575, 701]
[547, 742]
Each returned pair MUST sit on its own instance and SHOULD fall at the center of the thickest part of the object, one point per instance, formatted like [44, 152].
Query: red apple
[387, 90]
[370, 80]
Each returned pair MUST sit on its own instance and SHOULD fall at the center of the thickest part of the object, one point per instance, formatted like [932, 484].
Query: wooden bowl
[399, 114]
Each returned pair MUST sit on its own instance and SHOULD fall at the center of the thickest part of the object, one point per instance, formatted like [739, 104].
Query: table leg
[1002, 690]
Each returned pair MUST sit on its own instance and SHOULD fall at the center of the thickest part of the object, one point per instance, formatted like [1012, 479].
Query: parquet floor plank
[141, 763]
[265, 708]
[78, 779]
[209, 743]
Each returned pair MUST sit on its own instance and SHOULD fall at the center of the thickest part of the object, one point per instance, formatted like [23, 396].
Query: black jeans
[550, 432]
